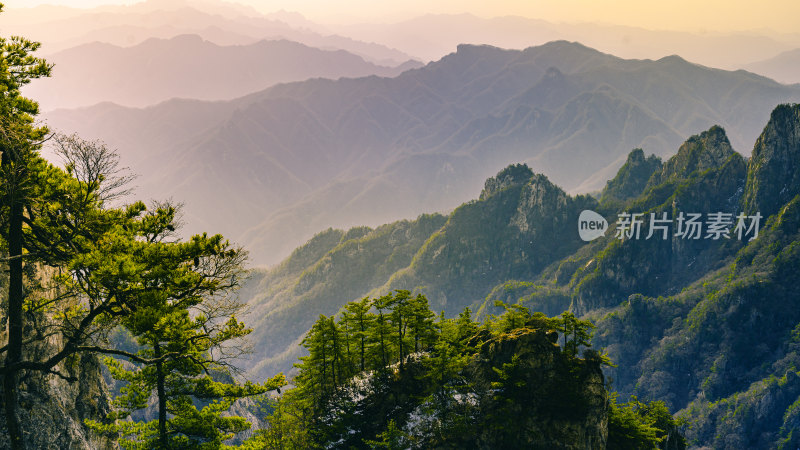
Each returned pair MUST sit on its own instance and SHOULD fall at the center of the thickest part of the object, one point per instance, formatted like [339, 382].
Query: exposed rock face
[541, 204]
[773, 175]
[558, 401]
[701, 152]
[769, 405]
[522, 223]
[704, 176]
[51, 410]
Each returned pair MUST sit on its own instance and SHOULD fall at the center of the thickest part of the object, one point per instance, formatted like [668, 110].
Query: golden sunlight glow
[686, 15]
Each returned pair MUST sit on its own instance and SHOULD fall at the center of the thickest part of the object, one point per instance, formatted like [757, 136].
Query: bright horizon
[680, 15]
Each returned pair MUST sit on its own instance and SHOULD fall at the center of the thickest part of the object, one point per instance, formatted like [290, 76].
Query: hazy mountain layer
[784, 67]
[272, 168]
[430, 36]
[224, 23]
[186, 67]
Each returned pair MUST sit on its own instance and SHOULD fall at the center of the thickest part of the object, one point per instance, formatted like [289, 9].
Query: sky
[685, 15]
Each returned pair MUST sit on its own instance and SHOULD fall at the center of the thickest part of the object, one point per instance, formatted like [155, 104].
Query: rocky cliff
[52, 410]
[773, 171]
[555, 401]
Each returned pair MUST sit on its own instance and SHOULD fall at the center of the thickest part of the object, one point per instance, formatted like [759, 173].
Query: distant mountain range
[60, 28]
[427, 37]
[784, 67]
[270, 169]
[187, 66]
[430, 36]
[711, 327]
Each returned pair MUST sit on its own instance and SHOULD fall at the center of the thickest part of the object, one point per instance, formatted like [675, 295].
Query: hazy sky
[687, 15]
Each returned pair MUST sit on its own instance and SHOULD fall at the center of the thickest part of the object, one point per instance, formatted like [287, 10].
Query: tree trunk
[162, 399]
[400, 338]
[335, 359]
[363, 339]
[15, 299]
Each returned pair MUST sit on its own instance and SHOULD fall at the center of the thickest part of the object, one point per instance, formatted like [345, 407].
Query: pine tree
[19, 142]
[323, 360]
[381, 334]
[421, 323]
[580, 330]
[514, 316]
[401, 308]
[182, 322]
[357, 319]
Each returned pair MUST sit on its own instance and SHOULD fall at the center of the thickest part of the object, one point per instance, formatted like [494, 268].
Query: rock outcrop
[52, 410]
[701, 152]
[555, 400]
[511, 175]
[773, 175]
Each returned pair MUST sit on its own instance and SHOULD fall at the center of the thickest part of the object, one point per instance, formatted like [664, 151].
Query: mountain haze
[784, 68]
[300, 157]
[430, 36]
[224, 23]
[186, 66]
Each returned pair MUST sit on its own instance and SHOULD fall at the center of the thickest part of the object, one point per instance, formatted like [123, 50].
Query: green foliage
[707, 150]
[184, 326]
[628, 427]
[392, 439]
[290, 298]
[512, 234]
[515, 174]
[632, 178]
[773, 175]
[425, 383]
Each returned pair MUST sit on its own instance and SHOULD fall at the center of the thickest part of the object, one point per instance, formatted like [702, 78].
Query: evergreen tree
[451, 395]
[401, 309]
[580, 330]
[19, 142]
[323, 355]
[421, 323]
[357, 319]
[465, 326]
[182, 321]
[381, 333]
[514, 316]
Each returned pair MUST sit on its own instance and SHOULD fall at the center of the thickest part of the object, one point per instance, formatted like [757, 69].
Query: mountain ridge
[157, 69]
[782, 67]
[129, 25]
[374, 150]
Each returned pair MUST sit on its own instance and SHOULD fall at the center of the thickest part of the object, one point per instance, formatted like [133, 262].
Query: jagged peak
[703, 151]
[635, 155]
[356, 233]
[514, 174]
[784, 116]
[773, 172]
